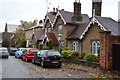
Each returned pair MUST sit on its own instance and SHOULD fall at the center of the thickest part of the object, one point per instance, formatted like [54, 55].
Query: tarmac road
[16, 68]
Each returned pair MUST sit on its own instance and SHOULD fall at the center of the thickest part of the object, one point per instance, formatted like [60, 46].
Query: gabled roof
[51, 36]
[105, 24]
[50, 17]
[109, 24]
[39, 35]
[67, 17]
[77, 32]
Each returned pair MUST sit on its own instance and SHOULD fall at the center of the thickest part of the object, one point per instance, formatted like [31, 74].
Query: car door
[36, 57]
[24, 54]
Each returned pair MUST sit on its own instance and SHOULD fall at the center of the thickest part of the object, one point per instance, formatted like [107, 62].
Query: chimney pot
[56, 9]
[53, 9]
[75, 0]
[78, 1]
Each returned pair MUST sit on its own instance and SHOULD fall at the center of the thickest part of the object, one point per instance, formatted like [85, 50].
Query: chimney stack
[77, 10]
[97, 6]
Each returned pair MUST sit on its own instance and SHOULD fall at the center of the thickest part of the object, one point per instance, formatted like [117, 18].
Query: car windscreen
[53, 53]
[15, 49]
[2, 50]
[34, 50]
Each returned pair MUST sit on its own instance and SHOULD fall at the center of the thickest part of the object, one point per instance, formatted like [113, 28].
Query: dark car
[12, 51]
[47, 58]
[28, 54]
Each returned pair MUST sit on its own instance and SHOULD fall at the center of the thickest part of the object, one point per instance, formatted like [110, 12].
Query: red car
[29, 53]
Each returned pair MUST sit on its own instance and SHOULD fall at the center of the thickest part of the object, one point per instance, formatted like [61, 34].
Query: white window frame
[75, 46]
[60, 30]
[62, 44]
[49, 29]
[95, 47]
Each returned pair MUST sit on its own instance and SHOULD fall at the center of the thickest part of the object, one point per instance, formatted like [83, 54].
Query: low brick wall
[82, 62]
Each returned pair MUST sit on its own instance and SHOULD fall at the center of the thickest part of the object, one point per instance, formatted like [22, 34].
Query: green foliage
[20, 33]
[53, 49]
[81, 55]
[5, 43]
[30, 46]
[50, 44]
[69, 54]
[90, 57]
[64, 49]
[45, 48]
[23, 43]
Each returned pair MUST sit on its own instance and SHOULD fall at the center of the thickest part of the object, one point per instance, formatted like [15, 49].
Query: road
[15, 68]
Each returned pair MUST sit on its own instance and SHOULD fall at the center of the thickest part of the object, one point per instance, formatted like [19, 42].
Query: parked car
[48, 58]
[12, 51]
[28, 54]
[4, 52]
[19, 52]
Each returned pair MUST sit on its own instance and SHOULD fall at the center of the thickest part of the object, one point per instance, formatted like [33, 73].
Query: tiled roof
[77, 32]
[39, 35]
[52, 36]
[109, 24]
[67, 16]
[51, 17]
[37, 26]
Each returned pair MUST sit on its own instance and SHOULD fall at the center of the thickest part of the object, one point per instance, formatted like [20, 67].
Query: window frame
[75, 46]
[60, 30]
[96, 47]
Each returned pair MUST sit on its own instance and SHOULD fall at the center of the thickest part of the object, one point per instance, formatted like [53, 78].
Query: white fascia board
[93, 21]
[58, 14]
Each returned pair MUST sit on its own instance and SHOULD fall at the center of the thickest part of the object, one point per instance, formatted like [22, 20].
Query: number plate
[3, 53]
[54, 61]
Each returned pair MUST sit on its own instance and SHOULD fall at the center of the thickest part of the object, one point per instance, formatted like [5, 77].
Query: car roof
[31, 48]
[3, 48]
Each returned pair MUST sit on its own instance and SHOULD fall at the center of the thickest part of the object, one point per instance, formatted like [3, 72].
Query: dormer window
[60, 30]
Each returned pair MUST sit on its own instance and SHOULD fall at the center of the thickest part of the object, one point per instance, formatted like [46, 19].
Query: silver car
[4, 52]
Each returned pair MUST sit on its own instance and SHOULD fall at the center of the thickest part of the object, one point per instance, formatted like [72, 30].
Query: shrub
[50, 44]
[81, 56]
[23, 43]
[45, 48]
[69, 54]
[90, 57]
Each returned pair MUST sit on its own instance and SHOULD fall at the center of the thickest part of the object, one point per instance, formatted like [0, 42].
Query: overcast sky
[12, 11]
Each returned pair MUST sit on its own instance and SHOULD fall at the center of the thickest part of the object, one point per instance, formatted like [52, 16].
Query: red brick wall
[106, 49]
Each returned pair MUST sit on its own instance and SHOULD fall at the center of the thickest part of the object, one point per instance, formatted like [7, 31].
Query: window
[75, 46]
[60, 30]
[61, 44]
[49, 29]
[96, 47]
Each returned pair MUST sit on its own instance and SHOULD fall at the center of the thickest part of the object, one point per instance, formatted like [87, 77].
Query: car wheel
[42, 64]
[21, 58]
[33, 61]
[26, 59]
[6, 56]
[15, 56]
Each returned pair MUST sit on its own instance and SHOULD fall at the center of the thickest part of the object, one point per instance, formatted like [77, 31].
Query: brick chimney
[77, 11]
[96, 6]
